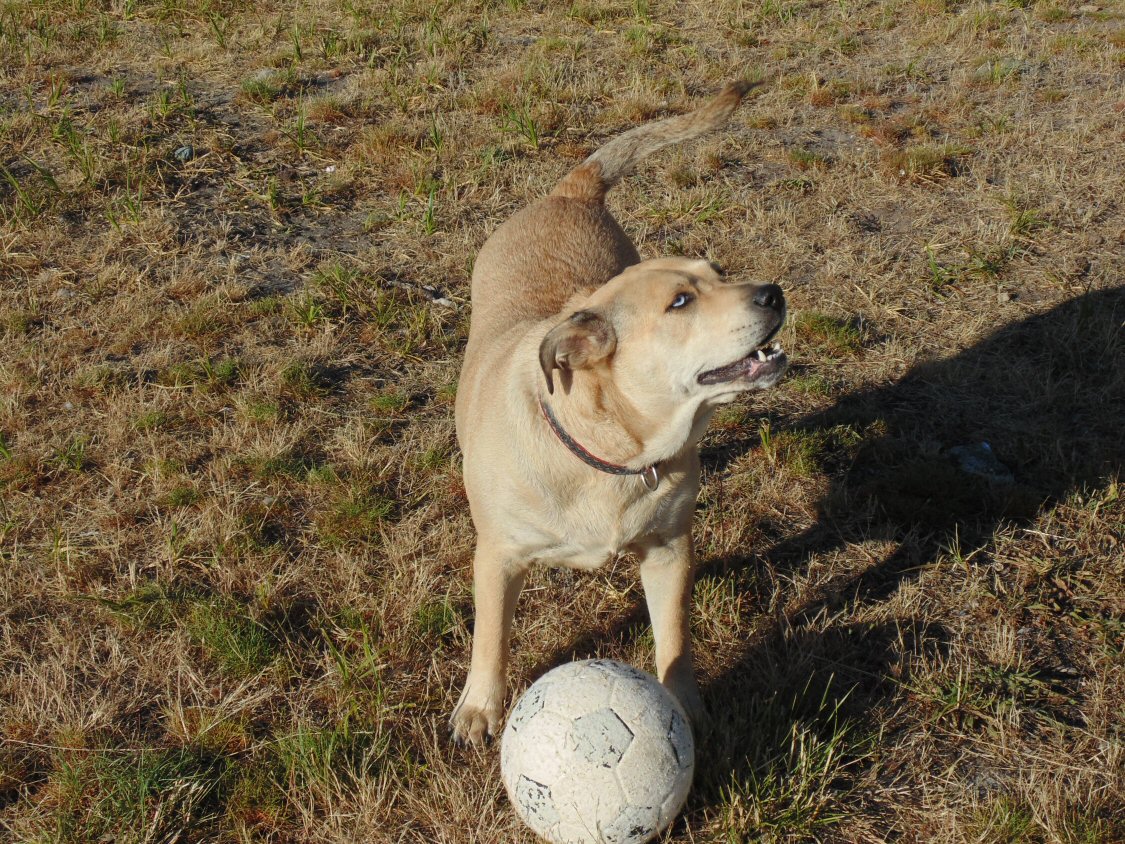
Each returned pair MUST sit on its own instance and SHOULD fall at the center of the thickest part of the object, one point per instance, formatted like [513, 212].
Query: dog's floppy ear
[584, 339]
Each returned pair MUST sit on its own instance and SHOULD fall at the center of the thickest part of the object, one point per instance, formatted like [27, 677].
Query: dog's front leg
[668, 573]
[497, 581]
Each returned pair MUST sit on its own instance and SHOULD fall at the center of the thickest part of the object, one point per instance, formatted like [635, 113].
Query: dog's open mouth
[760, 363]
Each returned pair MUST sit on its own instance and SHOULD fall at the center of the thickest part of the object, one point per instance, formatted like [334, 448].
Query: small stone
[185, 153]
[977, 459]
[1005, 296]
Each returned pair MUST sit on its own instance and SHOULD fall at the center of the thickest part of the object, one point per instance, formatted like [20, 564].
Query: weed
[72, 456]
[298, 48]
[518, 119]
[219, 27]
[1025, 220]
[28, 205]
[300, 134]
[429, 224]
[308, 312]
[263, 88]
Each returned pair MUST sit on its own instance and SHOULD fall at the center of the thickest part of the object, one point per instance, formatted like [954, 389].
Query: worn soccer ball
[597, 751]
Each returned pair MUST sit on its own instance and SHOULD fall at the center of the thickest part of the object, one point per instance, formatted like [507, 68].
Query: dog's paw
[476, 718]
[474, 725]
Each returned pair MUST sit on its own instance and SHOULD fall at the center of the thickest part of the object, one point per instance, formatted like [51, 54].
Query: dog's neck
[604, 422]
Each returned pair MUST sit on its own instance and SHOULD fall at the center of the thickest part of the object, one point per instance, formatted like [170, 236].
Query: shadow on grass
[1048, 396]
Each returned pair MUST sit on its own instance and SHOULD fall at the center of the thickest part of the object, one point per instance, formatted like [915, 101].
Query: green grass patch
[293, 464]
[432, 459]
[809, 383]
[797, 450]
[137, 796]
[926, 162]
[838, 337]
[793, 784]
[262, 411]
[805, 159]
[390, 402]
[981, 263]
[306, 380]
[731, 417]
[203, 374]
[312, 756]
[358, 516]
[153, 420]
[1006, 821]
[236, 642]
[183, 496]
[435, 619]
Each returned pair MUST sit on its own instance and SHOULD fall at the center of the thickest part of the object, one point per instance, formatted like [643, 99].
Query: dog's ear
[584, 339]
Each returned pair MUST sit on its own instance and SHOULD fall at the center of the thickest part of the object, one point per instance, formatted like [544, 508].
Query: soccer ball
[597, 752]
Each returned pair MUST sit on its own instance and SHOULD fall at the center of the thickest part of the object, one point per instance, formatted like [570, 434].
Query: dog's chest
[589, 531]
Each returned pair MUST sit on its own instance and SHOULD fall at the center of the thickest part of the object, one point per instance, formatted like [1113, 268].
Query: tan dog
[588, 380]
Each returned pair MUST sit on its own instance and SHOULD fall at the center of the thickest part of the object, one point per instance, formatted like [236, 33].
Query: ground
[235, 244]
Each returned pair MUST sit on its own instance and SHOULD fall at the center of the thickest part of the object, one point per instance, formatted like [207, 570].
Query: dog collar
[649, 474]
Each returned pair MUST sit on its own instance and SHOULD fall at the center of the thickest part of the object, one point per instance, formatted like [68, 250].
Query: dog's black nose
[769, 296]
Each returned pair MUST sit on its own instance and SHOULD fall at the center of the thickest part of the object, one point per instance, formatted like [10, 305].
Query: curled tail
[592, 179]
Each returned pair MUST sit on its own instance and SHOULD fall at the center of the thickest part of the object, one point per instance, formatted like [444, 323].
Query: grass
[238, 644]
[235, 590]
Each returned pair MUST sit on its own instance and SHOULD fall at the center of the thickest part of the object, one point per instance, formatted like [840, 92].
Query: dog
[589, 378]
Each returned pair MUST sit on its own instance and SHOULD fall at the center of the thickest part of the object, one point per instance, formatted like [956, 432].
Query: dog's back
[568, 243]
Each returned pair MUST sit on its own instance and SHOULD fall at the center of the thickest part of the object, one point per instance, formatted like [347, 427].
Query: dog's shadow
[960, 447]
[1047, 395]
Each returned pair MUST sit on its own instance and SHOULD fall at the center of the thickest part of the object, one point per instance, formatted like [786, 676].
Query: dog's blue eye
[681, 300]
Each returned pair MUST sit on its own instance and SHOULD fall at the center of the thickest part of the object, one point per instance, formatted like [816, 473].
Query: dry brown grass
[234, 546]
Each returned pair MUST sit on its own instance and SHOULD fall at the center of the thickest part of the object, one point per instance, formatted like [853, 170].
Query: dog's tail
[592, 179]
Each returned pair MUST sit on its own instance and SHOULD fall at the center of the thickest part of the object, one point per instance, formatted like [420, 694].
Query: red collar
[649, 474]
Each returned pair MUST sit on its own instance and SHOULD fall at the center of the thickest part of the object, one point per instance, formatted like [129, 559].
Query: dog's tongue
[747, 367]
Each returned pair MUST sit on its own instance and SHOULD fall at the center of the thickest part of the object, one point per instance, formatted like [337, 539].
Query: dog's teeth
[761, 355]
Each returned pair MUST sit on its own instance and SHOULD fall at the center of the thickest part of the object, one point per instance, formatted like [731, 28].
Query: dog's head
[669, 333]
